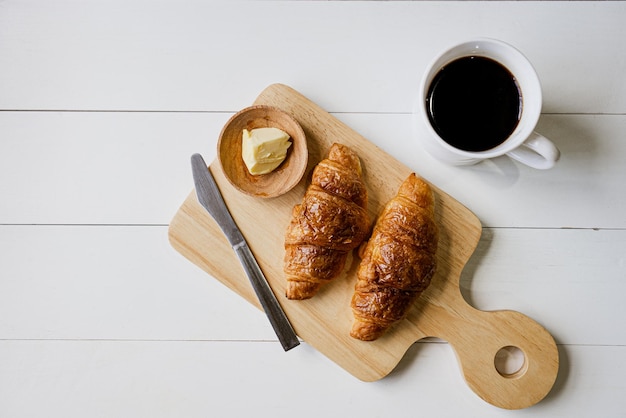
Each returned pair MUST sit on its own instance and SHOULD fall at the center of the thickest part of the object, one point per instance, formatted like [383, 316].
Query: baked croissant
[331, 221]
[398, 261]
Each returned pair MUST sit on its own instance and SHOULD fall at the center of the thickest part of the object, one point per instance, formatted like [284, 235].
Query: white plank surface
[103, 102]
[130, 284]
[208, 378]
[357, 57]
[133, 168]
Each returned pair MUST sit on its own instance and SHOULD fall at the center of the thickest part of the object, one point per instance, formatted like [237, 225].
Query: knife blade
[210, 197]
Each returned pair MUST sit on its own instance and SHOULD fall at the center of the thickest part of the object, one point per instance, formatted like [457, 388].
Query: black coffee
[474, 103]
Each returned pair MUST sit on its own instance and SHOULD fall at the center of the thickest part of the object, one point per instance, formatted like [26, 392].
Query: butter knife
[211, 199]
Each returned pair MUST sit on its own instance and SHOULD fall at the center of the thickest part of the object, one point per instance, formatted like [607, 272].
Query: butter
[263, 149]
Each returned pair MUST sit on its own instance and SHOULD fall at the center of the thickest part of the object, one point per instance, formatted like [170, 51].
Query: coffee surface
[474, 103]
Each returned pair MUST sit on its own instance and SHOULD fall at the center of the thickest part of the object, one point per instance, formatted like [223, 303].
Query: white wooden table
[101, 105]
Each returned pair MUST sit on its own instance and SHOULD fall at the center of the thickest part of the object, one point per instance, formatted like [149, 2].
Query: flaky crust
[331, 221]
[398, 262]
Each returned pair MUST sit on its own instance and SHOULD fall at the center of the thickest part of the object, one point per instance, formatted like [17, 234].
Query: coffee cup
[482, 99]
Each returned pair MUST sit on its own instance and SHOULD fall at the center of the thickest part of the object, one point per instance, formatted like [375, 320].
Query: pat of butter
[263, 149]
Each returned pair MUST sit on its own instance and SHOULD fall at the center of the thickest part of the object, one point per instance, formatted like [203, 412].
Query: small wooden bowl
[286, 176]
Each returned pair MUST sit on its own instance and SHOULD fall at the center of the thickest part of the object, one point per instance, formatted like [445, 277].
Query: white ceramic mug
[523, 144]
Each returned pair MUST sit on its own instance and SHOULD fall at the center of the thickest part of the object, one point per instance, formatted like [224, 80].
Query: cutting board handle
[494, 333]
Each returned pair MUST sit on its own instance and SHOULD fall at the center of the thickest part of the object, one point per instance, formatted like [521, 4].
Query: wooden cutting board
[325, 320]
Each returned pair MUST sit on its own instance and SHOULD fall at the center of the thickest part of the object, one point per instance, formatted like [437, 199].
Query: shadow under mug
[523, 144]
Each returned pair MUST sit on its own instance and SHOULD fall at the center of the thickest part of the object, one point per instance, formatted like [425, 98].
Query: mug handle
[536, 152]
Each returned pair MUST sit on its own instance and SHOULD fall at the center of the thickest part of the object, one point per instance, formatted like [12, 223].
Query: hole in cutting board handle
[510, 362]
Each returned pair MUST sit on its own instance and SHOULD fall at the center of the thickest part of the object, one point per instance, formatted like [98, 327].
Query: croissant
[330, 222]
[398, 261]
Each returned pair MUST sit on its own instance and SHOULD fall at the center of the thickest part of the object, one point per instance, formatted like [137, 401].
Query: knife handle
[278, 319]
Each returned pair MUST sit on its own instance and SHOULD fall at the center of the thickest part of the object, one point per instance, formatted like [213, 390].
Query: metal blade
[210, 197]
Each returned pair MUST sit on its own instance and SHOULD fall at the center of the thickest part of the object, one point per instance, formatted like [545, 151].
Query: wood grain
[325, 320]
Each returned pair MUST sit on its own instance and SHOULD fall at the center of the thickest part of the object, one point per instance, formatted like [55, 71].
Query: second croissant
[398, 261]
